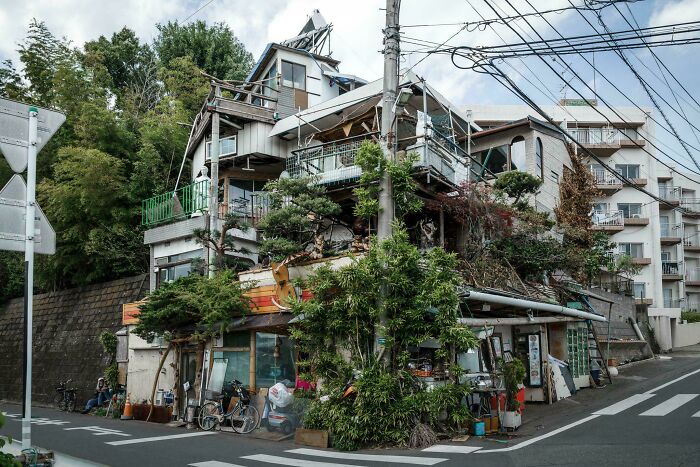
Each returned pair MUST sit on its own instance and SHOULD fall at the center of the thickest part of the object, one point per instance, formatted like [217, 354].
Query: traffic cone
[128, 410]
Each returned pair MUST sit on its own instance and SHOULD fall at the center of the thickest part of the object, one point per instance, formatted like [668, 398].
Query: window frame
[293, 81]
[623, 169]
[517, 139]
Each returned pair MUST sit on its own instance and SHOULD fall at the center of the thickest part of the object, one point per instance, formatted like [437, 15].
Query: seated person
[102, 395]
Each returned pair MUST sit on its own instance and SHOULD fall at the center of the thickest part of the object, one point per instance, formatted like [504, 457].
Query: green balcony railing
[177, 204]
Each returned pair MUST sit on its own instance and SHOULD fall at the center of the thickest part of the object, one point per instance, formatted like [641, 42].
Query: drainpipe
[501, 300]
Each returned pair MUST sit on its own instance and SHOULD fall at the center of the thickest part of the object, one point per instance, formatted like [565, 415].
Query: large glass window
[173, 267]
[639, 290]
[628, 170]
[235, 356]
[635, 250]
[293, 75]
[271, 82]
[630, 210]
[517, 154]
[227, 147]
[274, 359]
[539, 158]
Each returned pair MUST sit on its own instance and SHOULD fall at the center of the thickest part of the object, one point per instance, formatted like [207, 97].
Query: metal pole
[214, 181]
[391, 79]
[29, 278]
[469, 143]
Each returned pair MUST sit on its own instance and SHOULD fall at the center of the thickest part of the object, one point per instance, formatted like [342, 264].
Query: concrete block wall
[67, 325]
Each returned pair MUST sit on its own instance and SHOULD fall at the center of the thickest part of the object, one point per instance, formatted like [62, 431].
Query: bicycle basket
[243, 393]
[211, 395]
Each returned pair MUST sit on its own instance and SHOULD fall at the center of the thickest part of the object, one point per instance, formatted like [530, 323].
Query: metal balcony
[609, 221]
[692, 276]
[671, 271]
[690, 207]
[184, 202]
[605, 181]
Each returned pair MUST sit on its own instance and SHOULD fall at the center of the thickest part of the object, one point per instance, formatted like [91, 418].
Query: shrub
[690, 316]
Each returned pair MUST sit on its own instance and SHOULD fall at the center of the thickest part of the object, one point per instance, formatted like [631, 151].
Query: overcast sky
[356, 39]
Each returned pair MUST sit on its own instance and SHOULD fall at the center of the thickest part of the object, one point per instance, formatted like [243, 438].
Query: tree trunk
[155, 381]
[199, 368]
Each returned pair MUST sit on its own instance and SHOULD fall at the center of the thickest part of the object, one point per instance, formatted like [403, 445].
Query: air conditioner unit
[636, 216]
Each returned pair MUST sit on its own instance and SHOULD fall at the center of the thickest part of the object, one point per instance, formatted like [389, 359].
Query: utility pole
[214, 179]
[29, 276]
[391, 81]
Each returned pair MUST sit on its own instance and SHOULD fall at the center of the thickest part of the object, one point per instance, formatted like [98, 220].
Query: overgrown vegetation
[338, 330]
[226, 248]
[299, 213]
[122, 141]
[690, 316]
[109, 345]
[6, 459]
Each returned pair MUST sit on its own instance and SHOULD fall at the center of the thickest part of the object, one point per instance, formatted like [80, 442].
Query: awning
[261, 321]
[530, 304]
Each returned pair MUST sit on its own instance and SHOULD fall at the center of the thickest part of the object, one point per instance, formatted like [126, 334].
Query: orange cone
[128, 410]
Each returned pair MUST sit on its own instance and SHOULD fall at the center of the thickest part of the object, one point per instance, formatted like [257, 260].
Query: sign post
[20, 141]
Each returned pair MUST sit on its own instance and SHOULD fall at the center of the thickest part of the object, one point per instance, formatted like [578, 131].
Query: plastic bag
[279, 395]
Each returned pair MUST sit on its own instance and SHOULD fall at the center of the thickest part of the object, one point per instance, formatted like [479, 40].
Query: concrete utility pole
[391, 82]
[29, 276]
[214, 180]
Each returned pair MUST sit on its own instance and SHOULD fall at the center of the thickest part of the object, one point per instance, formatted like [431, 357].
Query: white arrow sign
[13, 201]
[14, 131]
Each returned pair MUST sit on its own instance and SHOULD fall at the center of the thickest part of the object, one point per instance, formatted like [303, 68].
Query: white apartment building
[663, 239]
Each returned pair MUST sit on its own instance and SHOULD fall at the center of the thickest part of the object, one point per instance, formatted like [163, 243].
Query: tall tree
[214, 49]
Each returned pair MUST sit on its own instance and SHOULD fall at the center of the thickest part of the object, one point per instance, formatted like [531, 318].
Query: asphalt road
[650, 417]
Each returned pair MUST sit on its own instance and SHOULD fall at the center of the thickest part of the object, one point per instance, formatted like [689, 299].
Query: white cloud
[671, 12]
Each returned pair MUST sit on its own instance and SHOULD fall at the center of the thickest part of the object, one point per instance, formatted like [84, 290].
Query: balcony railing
[599, 135]
[691, 240]
[179, 204]
[672, 303]
[604, 177]
[691, 205]
[670, 268]
[669, 230]
[692, 274]
[334, 162]
[252, 209]
[608, 218]
[670, 193]
[692, 306]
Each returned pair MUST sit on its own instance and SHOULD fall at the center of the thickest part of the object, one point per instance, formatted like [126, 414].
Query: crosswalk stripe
[669, 405]
[159, 438]
[696, 414]
[624, 404]
[293, 462]
[214, 464]
[453, 448]
[368, 457]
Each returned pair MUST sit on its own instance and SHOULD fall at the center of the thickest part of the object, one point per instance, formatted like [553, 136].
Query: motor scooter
[280, 418]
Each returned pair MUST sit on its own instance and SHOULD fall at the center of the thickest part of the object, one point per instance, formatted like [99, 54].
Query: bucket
[612, 362]
[479, 428]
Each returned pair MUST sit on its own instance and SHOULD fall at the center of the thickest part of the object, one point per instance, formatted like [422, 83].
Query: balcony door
[665, 226]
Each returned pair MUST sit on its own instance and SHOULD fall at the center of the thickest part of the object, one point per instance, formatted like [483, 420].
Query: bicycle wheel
[244, 419]
[59, 402]
[208, 416]
[70, 404]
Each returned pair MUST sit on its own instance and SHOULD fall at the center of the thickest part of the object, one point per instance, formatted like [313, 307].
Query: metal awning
[260, 321]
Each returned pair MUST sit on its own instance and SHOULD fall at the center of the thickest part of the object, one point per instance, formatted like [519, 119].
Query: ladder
[594, 350]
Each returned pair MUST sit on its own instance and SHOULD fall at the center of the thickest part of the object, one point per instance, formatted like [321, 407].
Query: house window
[495, 160]
[271, 82]
[628, 170]
[274, 359]
[293, 75]
[539, 158]
[630, 210]
[517, 153]
[235, 355]
[227, 146]
[640, 290]
[634, 250]
[173, 267]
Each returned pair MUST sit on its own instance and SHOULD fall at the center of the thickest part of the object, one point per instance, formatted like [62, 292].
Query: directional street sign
[14, 131]
[13, 202]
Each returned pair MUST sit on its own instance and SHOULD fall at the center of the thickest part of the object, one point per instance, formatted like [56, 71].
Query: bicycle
[64, 399]
[244, 417]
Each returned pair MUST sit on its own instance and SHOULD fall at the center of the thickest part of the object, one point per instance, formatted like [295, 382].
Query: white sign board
[13, 200]
[14, 131]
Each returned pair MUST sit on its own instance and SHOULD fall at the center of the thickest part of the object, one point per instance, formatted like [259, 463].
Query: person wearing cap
[102, 395]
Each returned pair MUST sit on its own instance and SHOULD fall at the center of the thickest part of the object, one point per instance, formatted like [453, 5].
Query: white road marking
[293, 462]
[624, 404]
[540, 438]
[669, 405]
[368, 457]
[159, 438]
[98, 431]
[696, 414]
[12, 415]
[453, 448]
[674, 381]
[214, 464]
[44, 421]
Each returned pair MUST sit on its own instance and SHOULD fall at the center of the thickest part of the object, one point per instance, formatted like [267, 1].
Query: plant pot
[511, 419]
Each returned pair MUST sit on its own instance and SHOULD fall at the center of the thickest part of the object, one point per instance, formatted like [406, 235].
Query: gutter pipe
[502, 300]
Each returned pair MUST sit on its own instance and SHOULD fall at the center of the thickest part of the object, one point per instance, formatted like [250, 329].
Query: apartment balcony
[608, 221]
[632, 219]
[692, 276]
[643, 301]
[671, 235]
[672, 303]
[188, 201]
[691, 243]
[334, 163]
[672, 196]
[639, 182]
[604, 142]
[691, 207]
[605, 181]
[692, 306]
[250, 209]
[671, 271]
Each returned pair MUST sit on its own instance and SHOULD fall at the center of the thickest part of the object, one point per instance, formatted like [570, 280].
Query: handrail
[177, 204]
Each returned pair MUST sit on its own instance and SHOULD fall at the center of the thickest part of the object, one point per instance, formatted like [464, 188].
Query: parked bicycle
[65, 397]
[244, 417]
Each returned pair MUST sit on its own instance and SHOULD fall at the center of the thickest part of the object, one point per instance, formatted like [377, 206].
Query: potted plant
[513, 375]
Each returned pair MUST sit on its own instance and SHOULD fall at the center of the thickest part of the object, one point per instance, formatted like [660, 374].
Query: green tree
[214, 49]
[11, 275]
[184, 82]
[11, 85]
[518, 185]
